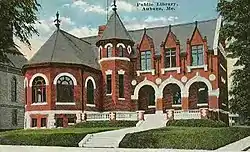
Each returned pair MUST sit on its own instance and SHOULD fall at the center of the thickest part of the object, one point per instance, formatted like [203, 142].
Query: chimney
[101, 30]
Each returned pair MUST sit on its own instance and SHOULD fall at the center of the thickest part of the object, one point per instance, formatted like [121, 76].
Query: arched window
[121, 52]
[90, 92]
[65, 89]
[109, 51]
[13, 89]
[38, 90]
[203, 94]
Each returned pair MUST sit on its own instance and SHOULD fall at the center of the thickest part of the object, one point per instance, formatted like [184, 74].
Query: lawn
[68, 137]
[206, 138]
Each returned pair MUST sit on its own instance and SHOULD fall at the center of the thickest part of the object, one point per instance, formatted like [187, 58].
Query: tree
[17, 19]
[236, 29]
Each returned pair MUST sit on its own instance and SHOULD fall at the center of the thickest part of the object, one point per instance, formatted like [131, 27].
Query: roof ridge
[173, 25]
[54, 45]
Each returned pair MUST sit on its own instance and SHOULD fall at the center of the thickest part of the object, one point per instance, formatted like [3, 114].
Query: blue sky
[82, 17]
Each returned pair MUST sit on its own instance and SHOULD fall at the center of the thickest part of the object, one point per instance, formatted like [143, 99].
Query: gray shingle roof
[115, 29]
[63, 47]
[17, 61]
[182, 32]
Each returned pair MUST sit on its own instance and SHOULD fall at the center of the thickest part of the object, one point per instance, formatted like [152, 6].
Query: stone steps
[111, 139]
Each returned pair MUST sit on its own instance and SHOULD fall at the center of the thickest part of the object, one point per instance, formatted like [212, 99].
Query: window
[177, 97]
[146, 60]
[65, 89]
[121, 51]
[109, 85]
[14, 117]
[197, 55]
[121, 86]
[43, 122]
[109, 51]
[59, 122]
[71, 120]
[151, 98]
[13, 89]
[90, 92]
[33, 122]
[38, 90]
[170, 58]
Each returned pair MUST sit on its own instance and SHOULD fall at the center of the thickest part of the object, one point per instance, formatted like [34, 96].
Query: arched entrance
[146, 100]
[171, 96]
[198, 94]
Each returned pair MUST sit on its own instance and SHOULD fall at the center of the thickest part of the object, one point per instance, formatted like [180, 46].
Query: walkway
[111, 139]
[241, 145]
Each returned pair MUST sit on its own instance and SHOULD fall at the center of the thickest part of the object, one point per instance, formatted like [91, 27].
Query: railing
[102, 116]
[190, 114]
[126, 116]
[97, 116]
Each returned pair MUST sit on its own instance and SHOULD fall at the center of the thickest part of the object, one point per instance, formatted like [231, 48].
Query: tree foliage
[17, 19]
[236, 29]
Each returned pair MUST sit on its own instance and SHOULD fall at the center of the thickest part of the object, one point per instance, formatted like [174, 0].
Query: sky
[82, 17]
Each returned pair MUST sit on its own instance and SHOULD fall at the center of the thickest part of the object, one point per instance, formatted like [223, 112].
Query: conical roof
[63, 47]
[115, 29]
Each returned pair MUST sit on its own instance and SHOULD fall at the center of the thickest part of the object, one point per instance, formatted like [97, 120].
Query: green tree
[17, 19]
[236, 29]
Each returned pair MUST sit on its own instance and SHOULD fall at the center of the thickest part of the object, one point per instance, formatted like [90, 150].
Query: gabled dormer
[170, 53]
[197, 50]
[146, 54]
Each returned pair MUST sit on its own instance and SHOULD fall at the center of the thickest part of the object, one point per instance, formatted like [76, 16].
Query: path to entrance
[111, 139]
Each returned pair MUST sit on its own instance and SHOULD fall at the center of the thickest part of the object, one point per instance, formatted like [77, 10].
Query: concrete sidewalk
[243, 144]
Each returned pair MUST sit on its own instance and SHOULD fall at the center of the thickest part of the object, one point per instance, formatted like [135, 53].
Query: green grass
[185, 138]
[196, 123]
[69, 137]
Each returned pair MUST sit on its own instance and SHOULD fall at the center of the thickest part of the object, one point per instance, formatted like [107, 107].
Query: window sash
[33, 122]
[170, 57]
[38, 94]
[197, 55]
[109, 51]
[121, 51]
[43, 122]
[90, 92]
[65, 93]
[14, 117]
[121, 86]
[109, 85]
[146, 60]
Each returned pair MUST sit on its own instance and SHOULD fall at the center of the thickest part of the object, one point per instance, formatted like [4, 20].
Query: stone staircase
[111, 139]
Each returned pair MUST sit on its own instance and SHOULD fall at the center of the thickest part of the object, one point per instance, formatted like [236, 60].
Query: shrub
[184, 138]
[92, 124]
[196, 123]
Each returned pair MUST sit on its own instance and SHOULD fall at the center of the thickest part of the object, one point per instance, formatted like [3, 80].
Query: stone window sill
[65, 103]
[202, 104]
[109, 94]
[121, 98]
[189, 68]
[90, 105]
[151, 106]
[178, 69]
[146, 71]
[176, 105]
[39, 104]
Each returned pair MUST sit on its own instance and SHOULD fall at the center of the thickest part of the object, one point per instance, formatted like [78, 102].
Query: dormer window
[121, 51]
[146, 60]
[109, 51]
[170, 57]
[197, 55]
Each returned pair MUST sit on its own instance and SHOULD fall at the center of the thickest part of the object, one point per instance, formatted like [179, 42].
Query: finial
[115, 7]
[169, 27]
[57, 21]
[196, 23]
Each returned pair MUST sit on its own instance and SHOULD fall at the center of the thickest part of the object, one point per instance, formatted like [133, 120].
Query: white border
[25, 82]
[204, 66]
[114, 58]
[37, 75]
[108, 44]
[170, 80]
[90, 105]
[152, 71]
[178, 69]
[120, 44]
[66, 103]
[65, 74]
[91, 79]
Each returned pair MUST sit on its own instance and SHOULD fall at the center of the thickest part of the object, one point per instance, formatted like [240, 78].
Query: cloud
[150, 21]
[84, 31]
[86, 7]
[125, 6]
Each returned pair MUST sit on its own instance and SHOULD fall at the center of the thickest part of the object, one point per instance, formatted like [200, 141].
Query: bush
[184, 138]
[196, 123]
[93, 124]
